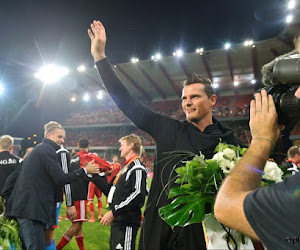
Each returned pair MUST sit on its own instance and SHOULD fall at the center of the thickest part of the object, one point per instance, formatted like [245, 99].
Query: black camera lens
[287, 105]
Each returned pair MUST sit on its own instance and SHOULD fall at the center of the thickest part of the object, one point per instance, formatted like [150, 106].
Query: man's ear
[213, 99]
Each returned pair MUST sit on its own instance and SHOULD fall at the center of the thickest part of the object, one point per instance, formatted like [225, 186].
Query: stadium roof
[153, 80]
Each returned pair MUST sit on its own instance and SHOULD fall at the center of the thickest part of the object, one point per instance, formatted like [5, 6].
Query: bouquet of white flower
[198, 182]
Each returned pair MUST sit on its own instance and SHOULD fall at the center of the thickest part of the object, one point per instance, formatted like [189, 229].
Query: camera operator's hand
[98, 40]
[263, 118]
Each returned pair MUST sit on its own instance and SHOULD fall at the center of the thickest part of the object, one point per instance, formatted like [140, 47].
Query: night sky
[34, 32]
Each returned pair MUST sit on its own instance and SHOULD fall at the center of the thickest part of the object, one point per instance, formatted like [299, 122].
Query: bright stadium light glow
[134, 60]
[86, 97]
[199, 50]
[235, 83]
[179, 53]
[100, 95]
[291, 4]
[227, 46]
[215, 85]
[248, 43]
[253, 81]
[157, 56]
[81, 68]
[1, 89]
[289, 18]
[51, 73]
[73, 99]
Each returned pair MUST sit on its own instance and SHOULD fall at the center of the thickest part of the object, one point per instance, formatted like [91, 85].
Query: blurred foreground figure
[269, 213]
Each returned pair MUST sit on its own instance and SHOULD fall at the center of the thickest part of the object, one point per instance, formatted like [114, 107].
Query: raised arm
[98, 40]
[246, 176]
[140, 115]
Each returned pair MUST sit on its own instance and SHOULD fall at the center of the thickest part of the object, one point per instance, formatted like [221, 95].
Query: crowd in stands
[226, 107]
[108, 136]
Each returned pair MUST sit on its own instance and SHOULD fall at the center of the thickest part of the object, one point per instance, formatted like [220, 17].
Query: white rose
[272, 172]
[218, 157]
[227, 166]
[229, 153]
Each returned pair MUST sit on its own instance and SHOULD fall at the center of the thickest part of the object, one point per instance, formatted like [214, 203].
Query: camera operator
[268, 76]
[269, 213]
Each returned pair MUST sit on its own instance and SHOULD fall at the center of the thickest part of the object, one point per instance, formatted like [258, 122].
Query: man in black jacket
[126, 196]
[200, 132]
[8, 162]
[32, 200]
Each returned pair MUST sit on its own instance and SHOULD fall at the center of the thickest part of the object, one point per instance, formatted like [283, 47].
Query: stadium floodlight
[227, 46]
[199, 50]
[1, 89]
[51, 73]
[100, 95]
[178, 53]
[248, 43]
[253, 81]
[235, 83]
[81, 68]
[215, 85]
[86, 97]
[291, 4]
[157, 56]
[73, 99]
[134, 60]
[289, 18]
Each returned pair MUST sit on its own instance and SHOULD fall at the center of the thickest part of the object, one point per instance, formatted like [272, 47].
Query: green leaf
[181, 171]
[176, 191]
[184, 210]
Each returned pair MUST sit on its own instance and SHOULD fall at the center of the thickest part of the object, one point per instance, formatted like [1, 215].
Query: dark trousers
[32, 233]
[123, 237]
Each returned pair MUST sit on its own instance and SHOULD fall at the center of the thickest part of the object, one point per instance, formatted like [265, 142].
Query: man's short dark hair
[84, 143]
[196, 78]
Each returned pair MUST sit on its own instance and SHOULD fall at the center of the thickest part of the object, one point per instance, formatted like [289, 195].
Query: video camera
[286, 75]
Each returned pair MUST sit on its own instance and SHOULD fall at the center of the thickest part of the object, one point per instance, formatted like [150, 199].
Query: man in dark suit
[32, 201]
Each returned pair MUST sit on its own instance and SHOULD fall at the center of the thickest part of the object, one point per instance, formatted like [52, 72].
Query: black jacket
[64, 159]
[170, 135]
[129, 195]
[33, 196]
[80, 187]
[8, 164]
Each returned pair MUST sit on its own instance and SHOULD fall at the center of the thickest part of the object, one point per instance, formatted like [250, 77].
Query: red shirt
[87, 157]
[116, 168]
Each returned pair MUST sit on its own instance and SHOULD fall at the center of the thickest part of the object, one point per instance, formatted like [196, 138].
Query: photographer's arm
[246, 176]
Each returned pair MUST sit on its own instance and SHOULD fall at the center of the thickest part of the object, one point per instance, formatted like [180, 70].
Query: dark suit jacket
[34, 194]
